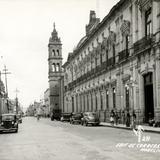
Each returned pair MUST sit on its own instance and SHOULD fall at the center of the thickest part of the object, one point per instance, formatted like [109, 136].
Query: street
[54, 140]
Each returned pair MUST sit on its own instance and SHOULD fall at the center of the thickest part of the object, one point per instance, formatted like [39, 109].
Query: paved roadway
[48, 140]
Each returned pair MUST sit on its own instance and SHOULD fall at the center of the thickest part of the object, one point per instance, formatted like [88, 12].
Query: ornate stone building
[55, 71]
[117, 64]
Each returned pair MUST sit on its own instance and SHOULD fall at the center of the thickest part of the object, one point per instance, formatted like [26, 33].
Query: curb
[128, 128]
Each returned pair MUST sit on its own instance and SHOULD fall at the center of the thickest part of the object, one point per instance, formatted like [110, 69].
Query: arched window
[53, 67]
[57, 67]
[57, 52]
[107, 99]
[101, 98]
[114, 97]
[127, 97]
[148, 22]
[53, 52]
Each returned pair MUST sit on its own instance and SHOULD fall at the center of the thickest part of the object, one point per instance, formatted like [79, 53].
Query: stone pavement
[121, 126]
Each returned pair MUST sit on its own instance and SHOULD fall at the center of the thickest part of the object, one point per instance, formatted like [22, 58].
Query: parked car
[19, 117]
[55, 115]
[65, 117]
[90, 118]
[8, 123]
[75, 118]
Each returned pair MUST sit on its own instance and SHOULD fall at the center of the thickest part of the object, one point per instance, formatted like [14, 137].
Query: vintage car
[65, 117]
[19, 117]
[90, 118]
[8, 123]
[75, 118]
[55, 115]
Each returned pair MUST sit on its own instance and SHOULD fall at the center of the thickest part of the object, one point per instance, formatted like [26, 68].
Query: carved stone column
[118, 91]
[157, 64]
[155, 12]
[141, 97]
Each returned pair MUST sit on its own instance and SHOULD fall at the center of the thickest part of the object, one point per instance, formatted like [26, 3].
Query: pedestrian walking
[112, 117]
[128, 123]
[134, 120]
[116, 118]
[123, 117]
[38, 117]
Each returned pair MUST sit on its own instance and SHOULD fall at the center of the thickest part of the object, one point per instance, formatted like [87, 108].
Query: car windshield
[18, 116]
[77, 115]
[92, 114]
[7, 117]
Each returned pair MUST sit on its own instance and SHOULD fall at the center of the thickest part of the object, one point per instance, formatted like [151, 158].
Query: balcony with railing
[92, 73]
[143, 44]
[123, 55]
[111, 61]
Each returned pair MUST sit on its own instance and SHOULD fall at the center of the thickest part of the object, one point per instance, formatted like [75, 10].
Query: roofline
[100, 25]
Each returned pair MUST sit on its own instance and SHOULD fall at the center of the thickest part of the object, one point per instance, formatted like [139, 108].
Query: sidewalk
[121, 126]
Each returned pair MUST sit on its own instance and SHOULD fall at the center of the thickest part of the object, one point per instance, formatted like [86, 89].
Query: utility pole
[5, 73]
[17, 91]
[0, 97]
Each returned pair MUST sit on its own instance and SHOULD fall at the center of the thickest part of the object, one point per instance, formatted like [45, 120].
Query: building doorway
[127, 97]
[72, 104]
[148, 96]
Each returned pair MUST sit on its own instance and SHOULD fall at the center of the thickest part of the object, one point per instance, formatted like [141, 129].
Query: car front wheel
[85, 123]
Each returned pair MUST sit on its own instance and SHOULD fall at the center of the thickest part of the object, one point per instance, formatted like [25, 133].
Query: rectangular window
[107, 102]
[87, 102]
[101, 94]
[84, 103]
[96, 100]
[158, 16]
[127, 42]
[72, 104]
[114, 53]
[127, 98]
[81, 103]
[77, 103]
[114, 98]
[91, 102]
[148, 23]
[101, 58]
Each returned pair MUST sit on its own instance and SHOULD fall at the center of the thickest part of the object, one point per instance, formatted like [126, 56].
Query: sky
[25, 28]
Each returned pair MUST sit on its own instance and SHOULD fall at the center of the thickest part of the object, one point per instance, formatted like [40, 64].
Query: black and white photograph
[79, 79]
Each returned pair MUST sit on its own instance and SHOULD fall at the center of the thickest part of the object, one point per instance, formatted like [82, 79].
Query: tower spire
[54, 28]
[54, 35]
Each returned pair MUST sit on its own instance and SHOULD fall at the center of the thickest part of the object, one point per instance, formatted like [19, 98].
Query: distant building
[46, 102]
[116, 65]
[55, 70]
[5, 103]
[31, 110]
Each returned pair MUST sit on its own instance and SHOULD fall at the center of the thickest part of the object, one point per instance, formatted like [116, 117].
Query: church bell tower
[55, 70]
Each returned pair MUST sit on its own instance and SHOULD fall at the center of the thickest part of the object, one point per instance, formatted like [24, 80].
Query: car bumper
[2, 129]
[89, 122]
[66, 120]
[76, 121]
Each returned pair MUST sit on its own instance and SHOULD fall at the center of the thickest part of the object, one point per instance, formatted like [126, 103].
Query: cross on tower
[54, 25]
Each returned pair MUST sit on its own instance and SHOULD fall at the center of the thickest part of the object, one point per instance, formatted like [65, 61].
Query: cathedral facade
[116, 65]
